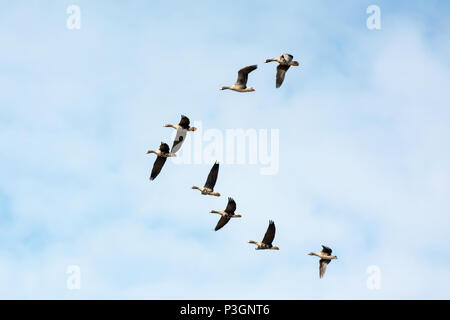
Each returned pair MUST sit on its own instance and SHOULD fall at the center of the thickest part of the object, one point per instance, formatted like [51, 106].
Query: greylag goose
[226, 214]
[284, 62]
[325, 258]
[162, 154]
[182, 128]
[241, 83]
[266, 243]
[208, 189]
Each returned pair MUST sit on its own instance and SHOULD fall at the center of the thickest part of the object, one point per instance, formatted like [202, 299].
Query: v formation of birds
[285, 61]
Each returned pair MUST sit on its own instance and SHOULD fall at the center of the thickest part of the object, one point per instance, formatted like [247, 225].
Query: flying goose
[182, 128]
[325, 258]
[208, 189]
[266, 243]
[241, 83]
[227, 214]
[162, 154]
[284, 62]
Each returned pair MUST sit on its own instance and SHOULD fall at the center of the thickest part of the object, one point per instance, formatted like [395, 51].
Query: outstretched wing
[184, 122]
[212, 176]
[270, 234]
[164, 147]
[157, 166]
[326, 250]
[231, 206]
[222, 221]
[287, 57]
[243, 75]
[281, 72]
[179, 139]
[323, 266]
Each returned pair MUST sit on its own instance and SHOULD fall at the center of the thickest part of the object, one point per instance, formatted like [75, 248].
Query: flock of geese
[183, 127]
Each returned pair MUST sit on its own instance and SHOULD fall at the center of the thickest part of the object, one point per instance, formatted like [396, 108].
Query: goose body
[241, 83]
[266, 243]
[227, 214]
[161, 156]
[325, 258]
[284, 63]
[208, 188]
[182, 128]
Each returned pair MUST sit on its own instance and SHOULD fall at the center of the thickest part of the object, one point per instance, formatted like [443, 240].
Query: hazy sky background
[364, 149]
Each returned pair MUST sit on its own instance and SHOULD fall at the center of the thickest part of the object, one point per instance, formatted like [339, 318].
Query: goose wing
[281, 72]
[157, 166]
[222, 221]
[270, 233]
[164, 147]
[326, 250]
[287, 57]
[179, 139]
[243, 75]
[231, 206]
[184, 122]
[323, 267]
[212, 177]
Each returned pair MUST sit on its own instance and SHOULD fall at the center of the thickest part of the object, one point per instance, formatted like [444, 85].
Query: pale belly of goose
[206, 191]
[263, 246]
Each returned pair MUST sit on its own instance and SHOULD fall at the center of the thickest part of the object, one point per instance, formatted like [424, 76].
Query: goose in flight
[284, 62]
[266, 243]
[182, 128]
[227, 214]
[162, 154]
[325, 258]
[241, 83]
[208, 189]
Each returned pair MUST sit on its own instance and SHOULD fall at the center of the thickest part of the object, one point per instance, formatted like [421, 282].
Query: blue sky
[364, 153]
